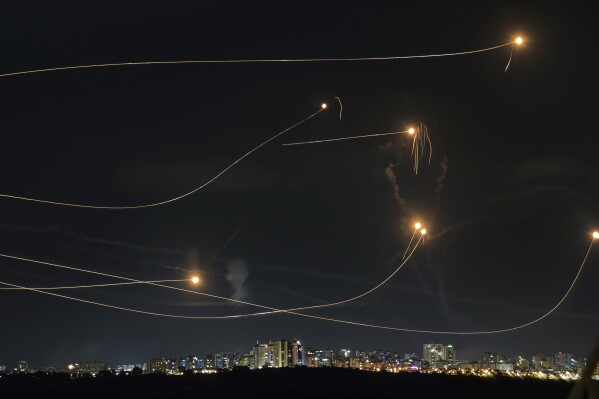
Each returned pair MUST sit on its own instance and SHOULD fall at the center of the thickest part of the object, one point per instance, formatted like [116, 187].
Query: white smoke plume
[237, 274]
[393, 180]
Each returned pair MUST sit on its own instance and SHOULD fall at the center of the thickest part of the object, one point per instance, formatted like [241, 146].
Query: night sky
[510, 197]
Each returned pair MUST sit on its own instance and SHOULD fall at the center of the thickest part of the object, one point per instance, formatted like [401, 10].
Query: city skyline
[436, 358]
[509, 200]
[264, 354]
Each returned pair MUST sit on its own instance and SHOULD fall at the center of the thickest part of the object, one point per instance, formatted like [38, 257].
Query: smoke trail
[393, 180]
[440, 183]
[237, 273]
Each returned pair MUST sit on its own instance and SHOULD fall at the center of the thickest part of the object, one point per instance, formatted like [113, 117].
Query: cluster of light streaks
[419, 143]
[595, 236]
[154, 204]
[420, 140]
[248, 61]
[194, 280]
[417, 226]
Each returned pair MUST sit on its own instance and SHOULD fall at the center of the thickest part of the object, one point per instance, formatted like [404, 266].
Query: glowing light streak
[517, 42]
[416, 227]
[510, 60]
[72, 287]
[344, 138]
[340, 107]
[247, 61]
[466, 332]
[419, 143]
[37, 200]
[271, 309]
[354, 323]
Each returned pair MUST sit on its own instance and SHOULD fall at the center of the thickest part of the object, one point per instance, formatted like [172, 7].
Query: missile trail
[248, 61]
[154, 204]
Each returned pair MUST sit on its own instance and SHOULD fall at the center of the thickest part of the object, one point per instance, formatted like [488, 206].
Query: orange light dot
[519, 40]
[596, 234]
[195, 279]
[411, 130]
[417, 225]
[323, 106]
[423, 231]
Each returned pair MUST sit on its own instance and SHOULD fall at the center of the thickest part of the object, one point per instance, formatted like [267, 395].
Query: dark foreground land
[281, 383]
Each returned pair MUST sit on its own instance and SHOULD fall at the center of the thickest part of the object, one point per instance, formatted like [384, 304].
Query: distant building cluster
[435, 357]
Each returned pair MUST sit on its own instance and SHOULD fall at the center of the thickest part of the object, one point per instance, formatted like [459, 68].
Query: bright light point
[596, 234]
[324, 105]
[411, 130]
[195, 280]
[519, 40]
[423, 231]
[418, 225]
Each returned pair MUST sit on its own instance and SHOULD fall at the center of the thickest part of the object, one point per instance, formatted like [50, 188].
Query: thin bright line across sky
[376, 326]
[248, 61]
[271, 309]
[344, 138]
[73, 287]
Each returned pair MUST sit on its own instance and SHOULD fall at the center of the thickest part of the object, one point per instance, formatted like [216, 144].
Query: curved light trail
[133, 281]
[154, 204]
[291, 311]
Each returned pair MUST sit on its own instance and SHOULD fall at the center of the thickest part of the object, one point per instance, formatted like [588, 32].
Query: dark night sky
[510, 219]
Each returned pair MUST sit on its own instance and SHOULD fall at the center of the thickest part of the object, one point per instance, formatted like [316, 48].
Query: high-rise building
[190, 362]
[565, 361]
[209, 361]
[172, 365]
[247, 360]
[541, 362]
[488, 360]
[287, 353]
[157, 365]
[262, 355]
[520, 362]
[438, 354]
[225, 360]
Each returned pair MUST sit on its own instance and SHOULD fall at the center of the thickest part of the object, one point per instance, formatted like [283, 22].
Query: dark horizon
[509, 200]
